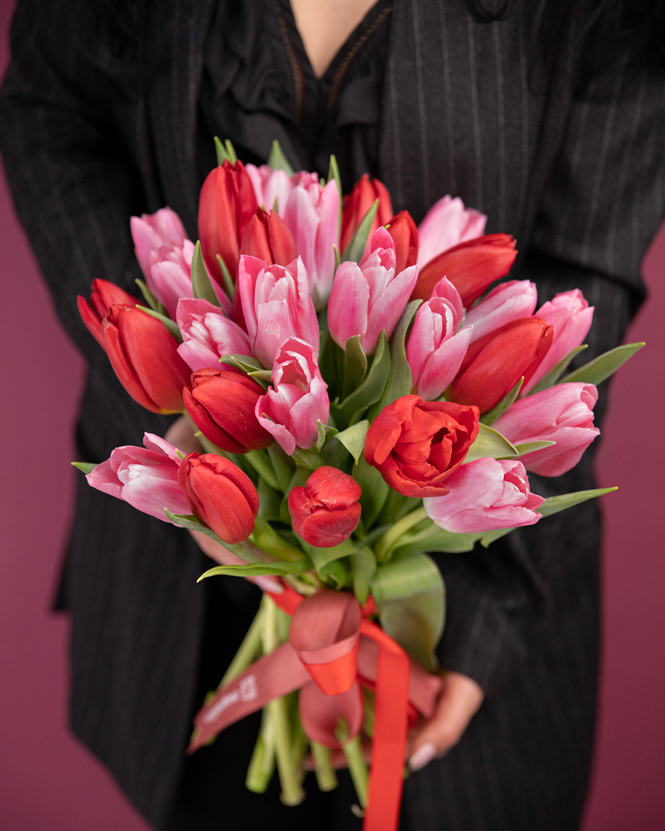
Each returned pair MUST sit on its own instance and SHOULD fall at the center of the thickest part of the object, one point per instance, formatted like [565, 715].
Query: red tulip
[470, 266]
[102, 297]
[326, 511]
[226, 206]
[268, 239]
[404, 232]
[495, 363]
[221, 403]
[359, 201]
[144, 356]
[220, 494]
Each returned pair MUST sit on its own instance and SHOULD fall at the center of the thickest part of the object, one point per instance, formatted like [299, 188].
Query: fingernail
[268, 584]
[423, 756]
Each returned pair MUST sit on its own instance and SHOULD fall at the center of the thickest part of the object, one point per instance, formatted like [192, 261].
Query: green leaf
[388, 541]
[273, 544]
[253, 570]
[363, 566]
[358, 242]
[150, 299]
[353, 438]
[86, 467]
[491, 444]
[202, 287]
[220, 151]
[270, 501]
[282, 465]
[261, 463]
[355, 365]
[400, 379]
[230, 151]
[603, 366]
[507, 401]
[171, 325]
[530, 447]
[371, 389]
[435, 539]
[556, 372]
[278, 161]
[229, 285]
[310, 459]
[333, 173]
[245, 363]
[374, 491]
[261, 374]
[321, 557]
[324, 432]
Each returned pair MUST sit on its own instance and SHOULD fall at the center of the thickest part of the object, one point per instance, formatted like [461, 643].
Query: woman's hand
[459, 700]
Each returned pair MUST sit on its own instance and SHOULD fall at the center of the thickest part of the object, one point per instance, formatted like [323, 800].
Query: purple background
[48, 781]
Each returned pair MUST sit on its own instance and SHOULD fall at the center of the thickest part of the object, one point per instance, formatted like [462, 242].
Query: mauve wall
[48, 782]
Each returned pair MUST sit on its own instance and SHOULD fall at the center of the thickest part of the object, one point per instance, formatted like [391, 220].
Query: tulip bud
[144, 356]
[268, 238]
[272, 188]
[221, 403]
[358, 202]
[226, 206]
[507, 302]
[326, 511]
[496, 362]
[485, 495]
[403, 230]
[220, 495]
[447, 223]
[153, 231]
[103, 296]
[470, 266]
[171, 274]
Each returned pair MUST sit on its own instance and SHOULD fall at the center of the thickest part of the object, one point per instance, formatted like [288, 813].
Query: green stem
[261, 463]
[325, 775]
[354, 758]
[385, 543]
[262, 763]
[248, 651]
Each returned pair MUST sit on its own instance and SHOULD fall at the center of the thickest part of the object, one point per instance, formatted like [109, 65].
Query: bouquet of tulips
[362, 400]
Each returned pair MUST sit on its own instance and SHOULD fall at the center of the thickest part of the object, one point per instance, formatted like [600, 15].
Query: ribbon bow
[331, 651]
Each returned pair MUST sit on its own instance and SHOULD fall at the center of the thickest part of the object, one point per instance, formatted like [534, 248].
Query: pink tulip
[563, 414]
[147, 477]
[485, 495]
[153, 231]
[434, 348]
[447, 223]
[571, 316]
[276, 305]
[311, 215]
[369, 297]
[207, 335]
[276, 185]
[291, 411]
[507, 302]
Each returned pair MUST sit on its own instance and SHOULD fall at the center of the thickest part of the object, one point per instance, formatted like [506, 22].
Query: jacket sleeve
[602, 206]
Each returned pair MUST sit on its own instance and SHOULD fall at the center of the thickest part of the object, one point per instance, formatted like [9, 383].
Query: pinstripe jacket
[89, 138]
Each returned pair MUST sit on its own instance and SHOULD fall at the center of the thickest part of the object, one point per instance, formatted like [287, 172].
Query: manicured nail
[268, 584]
[423, 756]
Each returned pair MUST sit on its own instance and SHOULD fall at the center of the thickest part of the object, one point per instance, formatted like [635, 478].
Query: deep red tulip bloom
[102, 297]
[226, 206]
[144, 356]
[221, 403]
[267, 238]
[220, 494]
[416, 444]
[358, 202]
[470, 266]
[494, 363]
[326, 511]
[404, 232]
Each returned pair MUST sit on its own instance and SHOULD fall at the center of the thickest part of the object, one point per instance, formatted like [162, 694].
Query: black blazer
[90, 138]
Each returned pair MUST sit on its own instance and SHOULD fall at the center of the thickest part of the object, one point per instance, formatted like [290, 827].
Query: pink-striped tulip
[563, 414]
[291, 411]
[447, 223]
[226, 205]
[434, 348]
[170, 275]
[153, 231]
[507, 302]
[276, 305]
[145, 477]
[102, 297]
[273, 187]
[207, 335]
[311, 215]
[485, 495]
[326, 511]
[268, 238]
[358, 202]
[570, 316]
[220, 494]
[369, 297]
[404, 232]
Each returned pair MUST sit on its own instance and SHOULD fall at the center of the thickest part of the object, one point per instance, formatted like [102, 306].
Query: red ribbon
[331, 651]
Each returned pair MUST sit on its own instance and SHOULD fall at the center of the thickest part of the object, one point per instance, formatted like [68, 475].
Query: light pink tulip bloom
[276, 305]
[153, 231]
[563, 414]
[270, 185]
[571, 316]
[434, 348]
[312, 216]
[170, 275]
[447, 223]
[207, 335]
[147, 477]
[485, 495]
[507, 302]
[299, 400]
[369, 297]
